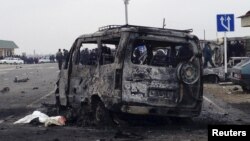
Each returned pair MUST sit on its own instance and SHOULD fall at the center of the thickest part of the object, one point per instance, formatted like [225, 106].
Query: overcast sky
[46, 25]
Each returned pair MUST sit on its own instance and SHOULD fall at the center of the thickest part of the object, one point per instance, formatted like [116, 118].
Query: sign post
[225, 51]
[225, 23]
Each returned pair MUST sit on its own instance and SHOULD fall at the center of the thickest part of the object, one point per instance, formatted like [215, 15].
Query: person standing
[59, 58]
[65, 58]
[218, 56]
[239, 48]
[207, 51]
[65, 54]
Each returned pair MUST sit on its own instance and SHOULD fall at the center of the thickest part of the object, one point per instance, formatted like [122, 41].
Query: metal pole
[225, 52]
[164, 24]
[204, 34]
[126, 11]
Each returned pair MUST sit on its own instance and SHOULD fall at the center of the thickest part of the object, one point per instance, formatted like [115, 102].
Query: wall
[6, 52]
[245, 21]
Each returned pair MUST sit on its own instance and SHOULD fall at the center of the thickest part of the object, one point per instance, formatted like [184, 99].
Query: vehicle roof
[115, 30]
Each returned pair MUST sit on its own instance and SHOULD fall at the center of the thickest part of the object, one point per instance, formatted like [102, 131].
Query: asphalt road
[25, 97]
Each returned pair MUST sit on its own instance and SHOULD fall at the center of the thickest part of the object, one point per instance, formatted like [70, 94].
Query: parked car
[44, 60]
[216, 75]
[136, 70]
[240, 74]
[11, 60]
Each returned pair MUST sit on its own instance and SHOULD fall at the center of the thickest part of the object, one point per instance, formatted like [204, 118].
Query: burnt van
[136, 70]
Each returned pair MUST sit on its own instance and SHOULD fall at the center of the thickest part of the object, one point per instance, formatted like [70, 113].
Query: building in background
[7, 48]
[245, 20]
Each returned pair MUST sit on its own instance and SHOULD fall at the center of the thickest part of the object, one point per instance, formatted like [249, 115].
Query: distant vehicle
[44, 60]
[216, 75]
[240, 74]
[11, 60]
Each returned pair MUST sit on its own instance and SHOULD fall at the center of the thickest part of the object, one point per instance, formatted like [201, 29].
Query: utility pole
[225, 52]
[126, 11]
[164, 24]
[204, 34]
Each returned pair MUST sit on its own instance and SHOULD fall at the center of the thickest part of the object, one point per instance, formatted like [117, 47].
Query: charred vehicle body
[136, 70]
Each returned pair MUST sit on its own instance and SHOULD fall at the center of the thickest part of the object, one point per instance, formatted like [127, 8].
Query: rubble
[5, 90]
[16, 80]
[35, 88]
[127, 135]
[235, 88]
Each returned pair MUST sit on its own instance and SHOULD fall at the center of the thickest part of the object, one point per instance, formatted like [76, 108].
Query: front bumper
[237, 81]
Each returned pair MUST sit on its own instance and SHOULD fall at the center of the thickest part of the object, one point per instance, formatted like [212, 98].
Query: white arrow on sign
[228, 19]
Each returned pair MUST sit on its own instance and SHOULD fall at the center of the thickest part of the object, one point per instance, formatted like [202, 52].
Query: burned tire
[101, 115]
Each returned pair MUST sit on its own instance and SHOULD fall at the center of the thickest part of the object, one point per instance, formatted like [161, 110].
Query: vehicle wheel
[212, 79]
[245, 89]
[100, 113]
[215, 79]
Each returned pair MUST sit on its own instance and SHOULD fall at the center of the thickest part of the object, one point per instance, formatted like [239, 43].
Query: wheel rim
[188, 73]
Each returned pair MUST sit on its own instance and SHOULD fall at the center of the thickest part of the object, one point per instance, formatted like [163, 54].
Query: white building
[7, 48]
[245, 20]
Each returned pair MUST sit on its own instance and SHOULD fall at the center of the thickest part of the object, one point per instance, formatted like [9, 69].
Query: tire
[216, 79]
[245, 89]
[213, 79]
[101, 115]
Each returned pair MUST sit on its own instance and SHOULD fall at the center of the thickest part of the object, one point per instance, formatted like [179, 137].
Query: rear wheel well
[211, 78]
[101, 115]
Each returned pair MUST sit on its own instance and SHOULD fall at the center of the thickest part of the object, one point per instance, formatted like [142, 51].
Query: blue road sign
[225, 22]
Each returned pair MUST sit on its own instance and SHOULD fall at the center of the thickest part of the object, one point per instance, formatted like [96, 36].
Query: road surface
[24, 97]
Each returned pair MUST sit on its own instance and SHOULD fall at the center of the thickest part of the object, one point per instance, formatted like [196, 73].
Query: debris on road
[35, 88]
[1, 121]
[127, 135]
[19, 67]
[239, 119]
[21, 80]
[225, 83]
[43, 118]
[101, 140]
[5, 89]
[235, 88]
